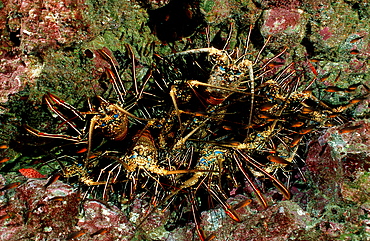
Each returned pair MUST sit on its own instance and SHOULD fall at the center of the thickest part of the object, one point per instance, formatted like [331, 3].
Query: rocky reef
[53, 47]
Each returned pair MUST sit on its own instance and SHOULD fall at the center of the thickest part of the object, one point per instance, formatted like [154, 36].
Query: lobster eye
[103, 124]
[115, 115]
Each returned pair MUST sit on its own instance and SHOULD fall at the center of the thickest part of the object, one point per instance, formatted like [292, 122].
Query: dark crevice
[15, 37]
[176, 20]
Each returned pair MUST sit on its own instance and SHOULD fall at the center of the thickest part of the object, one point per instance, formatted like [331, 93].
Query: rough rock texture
[287, 27]
[33, 214]
[50, 46]
[339, 165]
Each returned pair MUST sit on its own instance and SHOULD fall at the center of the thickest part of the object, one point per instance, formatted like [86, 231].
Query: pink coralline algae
[278, 222]
[280, 20]
[286, 26]
[356, 66]
[40, 25]
[287, 4]
[36, 214]
[52, 23]
[11, 74]
[325, 33]
[338, 156]
[105, 221]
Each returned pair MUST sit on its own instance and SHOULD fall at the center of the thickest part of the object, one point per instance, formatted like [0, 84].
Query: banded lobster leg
[49, 99]
[253, 163]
